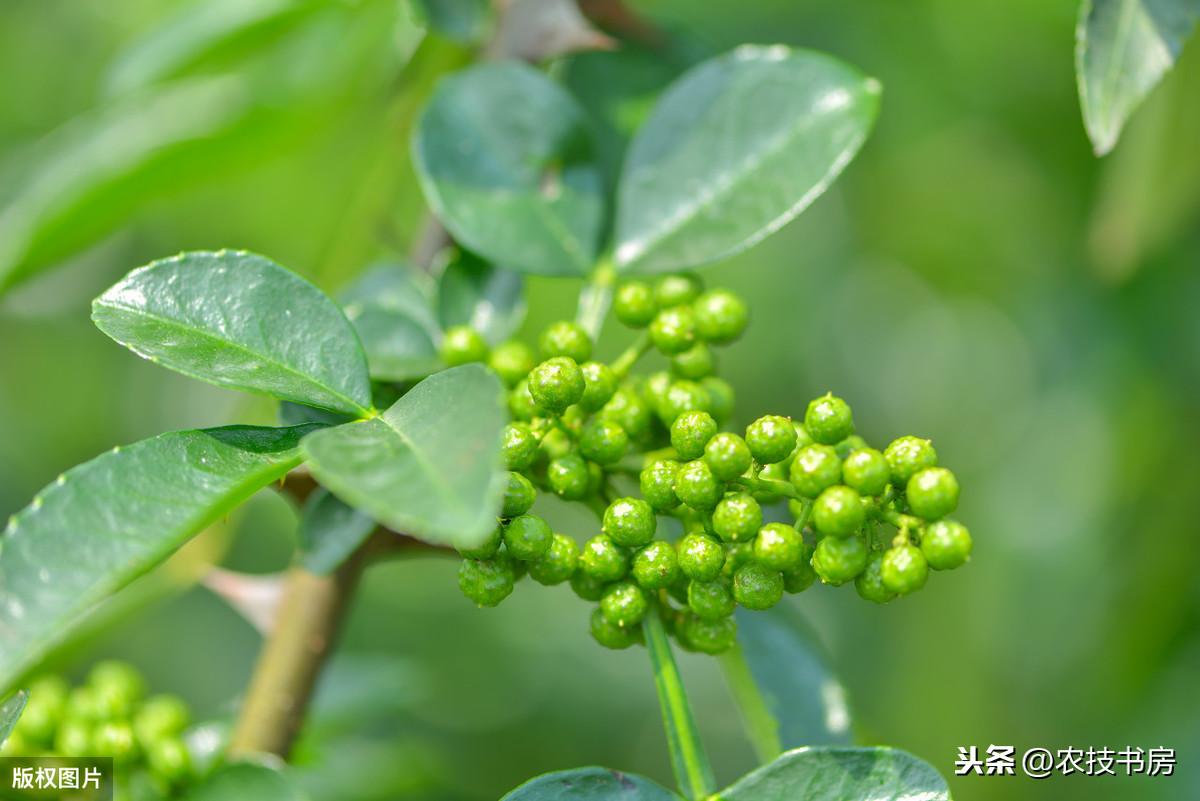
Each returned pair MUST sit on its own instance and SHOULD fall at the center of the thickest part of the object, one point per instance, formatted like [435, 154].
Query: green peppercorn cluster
[684, 505]
[108, 715]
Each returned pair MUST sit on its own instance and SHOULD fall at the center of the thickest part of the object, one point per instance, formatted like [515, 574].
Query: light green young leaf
[330, 531]
[840, 774]
[489, 299]
[243, 781]
[239, 320]
[735, 149]
[507, 161]
[430, 465]
[392, 311]
[1122, 50]
[590, 784]
[104, 523]
[10, 712]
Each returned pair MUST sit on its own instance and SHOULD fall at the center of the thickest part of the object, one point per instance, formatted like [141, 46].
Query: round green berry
[849, 445]
[159, 717]
[520, 402]
[828, 420]
[737, 555]
[673, 330]
[599, 385]
[869, 583]
[487, 582]
[624, 604]
[710, 600]
[512, 361]
[630, 410]
[634, 305]
[696, 362]
[610, 635]
[690, 432]
[721, 397]
[904, 569]
[485, 549]
[556, 383]
[932, 493]
[115, 739]
[603, 559]
[462, 344]
[681, 397]
[727, 455]
[802, 576]
[82, 704]
[587, 587]
[697, 487]
[757, 587]
[815, 469]
[700, 557]
[866, 470]
[565, 338]
[737, 517]
[656, 567]
[907, 456]
[657, 483]
[838, 511]
[527, 537]
[779, 547]
[568, 477]
[721, 316]
[558, 563]
[519, 446]
[74, 739]
[169, 760]
[518, 496]
[603, 441]
[839, 559]
[117, 688]
[655, 387]
[708, 636]
[771, 439]
[677, 289]
[946, 545]
[629, 521]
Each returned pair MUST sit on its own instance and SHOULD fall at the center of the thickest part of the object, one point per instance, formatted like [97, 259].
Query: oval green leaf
[239, 320]
[736, 148]
[104, 523]
[329, 532]
[1123, 49]
[430, 465]
[507, 161]
[242, 781]
[10, 712]
[590, 784]
[841, 774]
[489, 299]
[392, 311]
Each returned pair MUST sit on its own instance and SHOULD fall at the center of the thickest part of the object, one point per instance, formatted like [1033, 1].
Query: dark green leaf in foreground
[590, 784]
[489, 299]
[507, 161]
[330, 531]
[735, 149]
[10, 712]
[246, 781]
[104, 523]
[392, 311]
[430, 465]
[239, 320]
[1123, 49]
[840, 774]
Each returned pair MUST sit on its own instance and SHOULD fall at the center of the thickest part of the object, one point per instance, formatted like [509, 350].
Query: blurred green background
[976, 276]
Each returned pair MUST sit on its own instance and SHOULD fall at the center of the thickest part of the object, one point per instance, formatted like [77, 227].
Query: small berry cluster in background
[587, 431]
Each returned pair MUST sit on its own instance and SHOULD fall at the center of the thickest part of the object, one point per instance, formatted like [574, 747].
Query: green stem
[769, 485]
[760, 724]
[692, 771]
[596, 297]
[626, 360]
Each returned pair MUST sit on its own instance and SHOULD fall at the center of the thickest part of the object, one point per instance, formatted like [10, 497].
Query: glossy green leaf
[10, 712]
[465, 21]
[735, 149]
[392, 311]
[239, 320]
[330, 531]
[430, 465]
[489, 299]
[243, 781]
[104, 523]
[590, 784]
[507, 161]
[840, 774]
[1123, 48]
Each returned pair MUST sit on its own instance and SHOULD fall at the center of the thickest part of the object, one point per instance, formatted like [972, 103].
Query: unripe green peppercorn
[681, 397]
[932, 493]
[520, 402]
[657, 483]
[721, 397]
[568, 477]
[673, 330]
[629, 521]
[565, 338]
[771, 439]
[486, 549]
[737, 518]
[838, 511]
[708, 636]
[634, 305]
[512, 361]
[710, 600]
[869, 583]
[690, 432]
[727, 456]
[486, 582]
[587, 587]
[527, 537]
[779, 547]
[556, 383]
[624, 604]
[828, 420]
[630, 410]
[849, 445]
[866, 470]
[603, 441]
[815, 469]
[519, 446]
[801, 577]
[676, 289]
[946, 544]
[656, 566]
[839, 559]
[904, 569]
[115, 739]
[159, 717]
[700, 557]
[695, 363]
[610, 635]
[558, 563]
[907, 456]
[737, 556]
[696, 485]
[74, 739]
[721, 316]
[603, 560]
[655, 388]
[757, 587]
[518, 496]
[462, 344]
[169, 760]
[599, 385]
